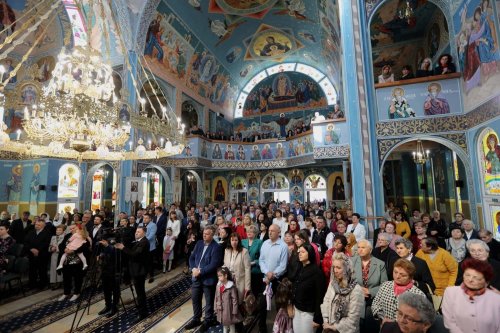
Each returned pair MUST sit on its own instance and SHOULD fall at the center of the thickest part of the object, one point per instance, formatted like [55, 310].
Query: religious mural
[495, 218]
[419, 100]
[491, 162]
[270, 43]
[173, 52]
[478, 50]
[284, 92]
[220, 189]
[69, 181]
[330, 134]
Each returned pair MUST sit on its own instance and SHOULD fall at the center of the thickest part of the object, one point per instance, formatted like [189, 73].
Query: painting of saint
[217, 153]
[229, 154]
[296, 177]
[252, 178]
[241, 153]
[204, 149]
[338, 191]
[272, 44]
[255, 153]
[14, 188]
[69, 180]
[399, 107]
[267, 154]
[219, 193]
[153, 38]
[34, 189]
[124, 114]
[492, 155]
[291, 149]
[45, 67]
[29, 94]
[433, 40]
[280, 151]
[7, 20]
[433, 103]
[8, 67]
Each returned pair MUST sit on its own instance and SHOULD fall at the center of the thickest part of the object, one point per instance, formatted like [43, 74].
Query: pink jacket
[462, 315]
[75, 242]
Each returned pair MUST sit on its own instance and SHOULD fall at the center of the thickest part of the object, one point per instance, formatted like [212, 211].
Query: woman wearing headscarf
[344, 302]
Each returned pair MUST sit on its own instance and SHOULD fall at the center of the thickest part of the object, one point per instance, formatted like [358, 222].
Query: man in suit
[20, 227]
[161, 227]
[138, 269]
[151, 236]
[87, 222]
[203, 262]
[97, 232]
[297, 210]
[494, 245]
[469, 231]
[422, 276]
[320, 237]
[36, 247]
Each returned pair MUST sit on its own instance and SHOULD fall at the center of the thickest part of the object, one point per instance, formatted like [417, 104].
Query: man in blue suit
[161, 229]
[204, 261]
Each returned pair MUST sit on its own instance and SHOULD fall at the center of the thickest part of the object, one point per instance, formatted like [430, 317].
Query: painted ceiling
[248, 36]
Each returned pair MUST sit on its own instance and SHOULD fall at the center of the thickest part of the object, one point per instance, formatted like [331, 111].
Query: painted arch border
[462, 154]
[295, 67]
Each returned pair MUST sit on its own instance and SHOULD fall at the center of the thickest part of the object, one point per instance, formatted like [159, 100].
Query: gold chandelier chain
[19, 19]
[28, 53]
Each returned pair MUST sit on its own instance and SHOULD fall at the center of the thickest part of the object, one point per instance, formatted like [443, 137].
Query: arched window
[154, 187]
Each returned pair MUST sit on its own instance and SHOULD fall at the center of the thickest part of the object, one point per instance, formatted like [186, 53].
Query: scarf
[398, 290]
[471, 293]
[458, 251]
[341, 300]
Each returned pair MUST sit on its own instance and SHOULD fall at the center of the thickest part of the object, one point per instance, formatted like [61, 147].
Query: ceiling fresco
[245, 37]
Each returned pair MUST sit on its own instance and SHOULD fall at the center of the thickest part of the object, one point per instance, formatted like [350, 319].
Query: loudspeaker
[459, 183]
[41, 187]
[53, 188]
[423, 186]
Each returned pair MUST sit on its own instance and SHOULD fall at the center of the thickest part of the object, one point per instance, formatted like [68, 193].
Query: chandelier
[420, 156]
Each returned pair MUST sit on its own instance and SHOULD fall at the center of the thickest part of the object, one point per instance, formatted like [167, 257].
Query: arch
[89, 181]
[200, 192]
[464, 158]
[442, 5]
[313, 73]
[169, 191]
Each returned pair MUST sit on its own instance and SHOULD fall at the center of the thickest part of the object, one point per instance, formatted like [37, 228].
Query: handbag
[436, 300]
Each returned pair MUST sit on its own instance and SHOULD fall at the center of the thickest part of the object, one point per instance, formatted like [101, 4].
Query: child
[284, 318]
[168, 246]
[55, 279]
[226, 301]
[75, 242]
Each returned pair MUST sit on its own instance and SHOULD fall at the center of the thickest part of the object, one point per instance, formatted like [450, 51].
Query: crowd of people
[444, 66]
[311, 266]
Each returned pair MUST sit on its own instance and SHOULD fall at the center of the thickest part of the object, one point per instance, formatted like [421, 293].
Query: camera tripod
[93, 282]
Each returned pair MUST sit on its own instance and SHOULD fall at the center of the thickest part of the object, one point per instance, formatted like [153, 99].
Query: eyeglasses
[401, 316]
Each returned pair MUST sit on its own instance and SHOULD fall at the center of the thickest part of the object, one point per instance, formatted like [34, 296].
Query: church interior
[352, 105]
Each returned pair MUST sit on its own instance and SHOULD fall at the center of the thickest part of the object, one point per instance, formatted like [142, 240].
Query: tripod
[93, 281]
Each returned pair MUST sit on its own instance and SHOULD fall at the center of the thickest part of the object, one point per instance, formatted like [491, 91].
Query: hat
[357, 215]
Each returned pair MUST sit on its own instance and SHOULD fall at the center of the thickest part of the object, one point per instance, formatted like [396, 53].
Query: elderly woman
[237, 259]
[472, 307]
[385, 304]
[253, 246]
[442, 265]
[420, 233]
[422, 276]
[479, 250]
[308, 292]
[370, 273]
[390, 229]
[343, 303]
[415, 314]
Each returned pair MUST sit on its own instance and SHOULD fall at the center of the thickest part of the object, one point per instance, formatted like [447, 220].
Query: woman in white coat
[237, 259]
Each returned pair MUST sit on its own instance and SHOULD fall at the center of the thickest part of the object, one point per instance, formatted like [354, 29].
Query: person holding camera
[138, 268]
[110, 278]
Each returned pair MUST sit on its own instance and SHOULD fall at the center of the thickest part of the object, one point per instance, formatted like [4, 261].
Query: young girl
[168, 246]
[75, 242]
[226, 301]
[283, 323]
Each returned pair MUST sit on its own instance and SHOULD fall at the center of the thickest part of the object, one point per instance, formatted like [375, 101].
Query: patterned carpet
[161, 302]
[44, 313]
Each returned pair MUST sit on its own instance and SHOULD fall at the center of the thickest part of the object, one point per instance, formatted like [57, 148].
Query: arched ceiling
[248, 36]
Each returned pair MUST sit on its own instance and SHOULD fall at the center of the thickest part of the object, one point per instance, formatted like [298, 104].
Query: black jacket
[40, 242]
[320, 240]
[422, 275]
[388, 257]
[137, 254]
[309, 290]
[18, 232]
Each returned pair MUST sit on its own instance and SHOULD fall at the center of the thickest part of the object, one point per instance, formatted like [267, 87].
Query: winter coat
[226, 304]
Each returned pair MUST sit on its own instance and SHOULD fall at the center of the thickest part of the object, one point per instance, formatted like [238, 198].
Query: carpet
[46, 312]
[160, 302]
